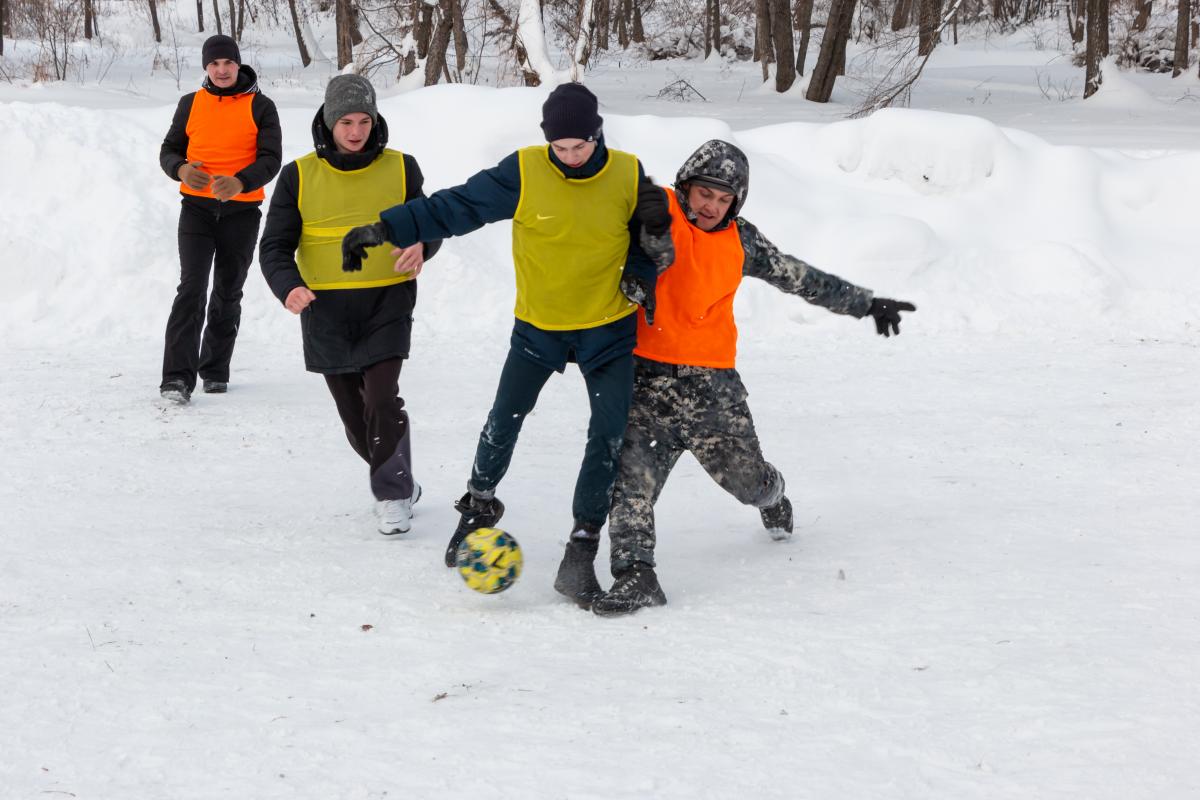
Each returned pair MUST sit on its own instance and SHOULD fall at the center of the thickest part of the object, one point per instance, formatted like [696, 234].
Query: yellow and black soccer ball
[489, 560]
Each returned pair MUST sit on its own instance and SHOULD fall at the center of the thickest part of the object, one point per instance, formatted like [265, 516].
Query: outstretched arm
[794, 276]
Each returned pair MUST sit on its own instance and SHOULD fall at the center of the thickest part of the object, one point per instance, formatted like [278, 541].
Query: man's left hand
[887, 314]
[226, 187]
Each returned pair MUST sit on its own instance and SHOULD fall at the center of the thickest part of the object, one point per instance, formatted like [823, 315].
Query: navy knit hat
[219, 47]
[570, 112]
[349, 94]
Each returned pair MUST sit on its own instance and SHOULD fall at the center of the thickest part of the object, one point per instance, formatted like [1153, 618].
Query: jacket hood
[246, 83]
[326, 149]
[719, 164]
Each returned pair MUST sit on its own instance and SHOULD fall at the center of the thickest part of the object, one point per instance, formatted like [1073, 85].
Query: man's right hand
[298, 299]
[196, 178]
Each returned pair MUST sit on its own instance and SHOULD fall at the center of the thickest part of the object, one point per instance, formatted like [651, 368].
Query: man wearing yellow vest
[223, 146]
[356, 326]
[577, 223]
[687, 394]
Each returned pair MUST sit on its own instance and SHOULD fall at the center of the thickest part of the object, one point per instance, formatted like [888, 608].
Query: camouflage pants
[674, 409]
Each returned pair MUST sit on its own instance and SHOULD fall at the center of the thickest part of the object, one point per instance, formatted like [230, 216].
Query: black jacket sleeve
[414, 181]
[790, 274]
[281, 235]
[173, 153]
[270, 145]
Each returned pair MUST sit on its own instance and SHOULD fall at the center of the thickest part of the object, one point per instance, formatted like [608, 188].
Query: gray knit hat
[349, 94]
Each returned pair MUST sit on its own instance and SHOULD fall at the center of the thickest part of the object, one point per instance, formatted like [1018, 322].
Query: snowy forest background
[529, 42]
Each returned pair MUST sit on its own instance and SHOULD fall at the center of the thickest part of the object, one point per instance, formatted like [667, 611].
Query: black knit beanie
[349, 94]
[219, 47]
[570, 112]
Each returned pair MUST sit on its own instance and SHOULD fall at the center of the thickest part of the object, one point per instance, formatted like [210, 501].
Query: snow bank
[982, 227]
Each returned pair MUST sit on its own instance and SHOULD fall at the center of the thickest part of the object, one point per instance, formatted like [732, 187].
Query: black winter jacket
[344, 330]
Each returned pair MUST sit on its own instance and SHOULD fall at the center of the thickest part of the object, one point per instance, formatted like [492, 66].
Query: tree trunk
[1144, 9]
[784, 44]
[1182, 34]
[716, 26]
[820, 87]
[804, 10]
[623, 24]
[154, 20]
[3, 14]
[217, 17]
[424, 29]
[200, 16]
[241, 26]
[707, 28]
[1104, 20]
[638, 34]
[931, 17]
[439, 43]
[603, 20]
[847, 27]
[305, 58]
[89, 15]
[233, 20]
[762, 36]
[459, 29]
[900, 15]
[345, 47]
[1091, 81]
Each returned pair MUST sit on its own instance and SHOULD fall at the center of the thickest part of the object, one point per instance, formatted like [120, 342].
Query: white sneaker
[395, 516]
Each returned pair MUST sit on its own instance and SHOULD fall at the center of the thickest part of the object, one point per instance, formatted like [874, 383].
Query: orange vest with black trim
[693, 316]
[223, 137]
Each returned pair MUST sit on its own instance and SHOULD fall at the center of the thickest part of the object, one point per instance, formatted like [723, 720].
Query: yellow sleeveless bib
[333, 201]
[570, 242]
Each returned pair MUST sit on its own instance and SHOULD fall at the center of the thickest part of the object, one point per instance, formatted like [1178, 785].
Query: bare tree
[345, 48]
[930, 30]
[781, 38]
[1182, 34]
[1095, 52]
[217, 16]
[459, 27]
[435, 64]
[896, 85]
[603, 21]
[902, 14]
[3, 14]
[804, 11]
[833, 50]
[89, 19]
[762, 36]
[305, 58]
[154, 20]
[200, 16]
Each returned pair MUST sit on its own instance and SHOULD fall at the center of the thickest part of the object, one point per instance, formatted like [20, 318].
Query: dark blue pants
[609, 386]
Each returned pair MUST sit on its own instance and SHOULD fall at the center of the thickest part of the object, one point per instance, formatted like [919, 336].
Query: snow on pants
[678, 408]
[224, 244]
[377, 425]
[521, 380]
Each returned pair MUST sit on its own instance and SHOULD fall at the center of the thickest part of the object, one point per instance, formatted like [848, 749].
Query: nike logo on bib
[542, 218]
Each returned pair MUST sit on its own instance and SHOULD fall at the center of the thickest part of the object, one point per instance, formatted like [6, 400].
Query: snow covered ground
[992, 591]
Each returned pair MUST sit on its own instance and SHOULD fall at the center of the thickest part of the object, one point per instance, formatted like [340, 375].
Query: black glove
[887, 314]
[356, 242]
[640, 291]
[654, 213]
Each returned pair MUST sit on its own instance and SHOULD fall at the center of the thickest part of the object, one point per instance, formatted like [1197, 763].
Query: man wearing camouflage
[687, 394]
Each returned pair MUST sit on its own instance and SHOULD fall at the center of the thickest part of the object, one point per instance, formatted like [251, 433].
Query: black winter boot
[476, 514]
[576, 578]
[777, 519]
[636, 587]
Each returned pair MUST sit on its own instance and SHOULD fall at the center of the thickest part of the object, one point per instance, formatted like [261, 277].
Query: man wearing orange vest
[223, 146]
[687, 394]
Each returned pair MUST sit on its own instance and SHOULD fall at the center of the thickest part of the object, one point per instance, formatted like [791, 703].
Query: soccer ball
[489, 560]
